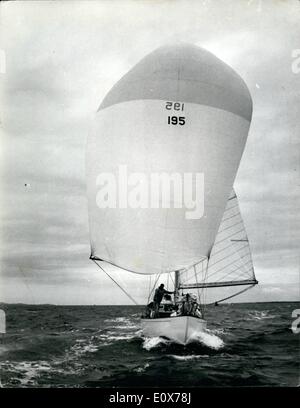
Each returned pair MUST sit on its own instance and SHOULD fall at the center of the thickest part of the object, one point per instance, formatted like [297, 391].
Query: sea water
[102, 346]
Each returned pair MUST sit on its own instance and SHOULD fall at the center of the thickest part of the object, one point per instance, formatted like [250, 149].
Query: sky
[58, 61]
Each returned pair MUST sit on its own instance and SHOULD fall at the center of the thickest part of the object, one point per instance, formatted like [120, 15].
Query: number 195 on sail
[177, 107]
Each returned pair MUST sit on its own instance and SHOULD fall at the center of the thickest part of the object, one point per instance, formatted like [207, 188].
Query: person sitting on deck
[158, 296]
[197, 312]
[190, 306]
[187, 306]
[149, 313]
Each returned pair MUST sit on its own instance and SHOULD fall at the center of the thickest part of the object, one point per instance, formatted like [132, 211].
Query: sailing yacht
[162, 156]
[229, 265]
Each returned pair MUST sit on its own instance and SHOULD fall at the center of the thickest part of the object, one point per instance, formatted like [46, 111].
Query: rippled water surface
[100, 346]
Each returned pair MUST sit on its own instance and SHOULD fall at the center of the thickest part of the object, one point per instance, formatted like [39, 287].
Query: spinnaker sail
[179, 116]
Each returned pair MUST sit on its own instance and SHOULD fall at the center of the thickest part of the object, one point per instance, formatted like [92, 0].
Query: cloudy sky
[61, 58]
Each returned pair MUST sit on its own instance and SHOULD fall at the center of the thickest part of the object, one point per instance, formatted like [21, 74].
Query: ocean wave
[95, 342]
[114, 336]
[118, 320]
[260, 315]
[153, 342]
[120, 337]
[123, 326]
[238, 349]
[25, 373]
[218, 331]
[188, 357]
[79, 349]
[141, 369]
[208, 339]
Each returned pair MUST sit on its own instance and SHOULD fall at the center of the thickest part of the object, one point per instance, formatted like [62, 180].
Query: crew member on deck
[186, 308]
[158, 295]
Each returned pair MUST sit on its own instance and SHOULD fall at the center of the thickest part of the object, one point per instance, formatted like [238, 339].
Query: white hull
[181, 329]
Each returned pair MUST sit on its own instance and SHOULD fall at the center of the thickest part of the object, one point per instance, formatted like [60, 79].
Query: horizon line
[89, 305]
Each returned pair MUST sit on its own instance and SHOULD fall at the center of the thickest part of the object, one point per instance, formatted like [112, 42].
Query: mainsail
[230, 261]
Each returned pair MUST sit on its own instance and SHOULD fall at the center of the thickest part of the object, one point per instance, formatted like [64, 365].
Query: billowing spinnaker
[135, 140]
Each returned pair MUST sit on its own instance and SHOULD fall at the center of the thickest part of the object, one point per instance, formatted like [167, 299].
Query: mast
[177, 285]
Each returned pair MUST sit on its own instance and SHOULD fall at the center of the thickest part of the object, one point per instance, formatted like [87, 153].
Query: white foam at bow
[209, 340]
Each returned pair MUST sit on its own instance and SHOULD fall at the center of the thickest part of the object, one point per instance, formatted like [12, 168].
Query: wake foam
[118, 320]
[80, 348]
[152, 342]
[208, 339]
[188, 357]
[260, 315]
